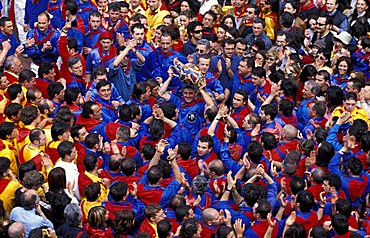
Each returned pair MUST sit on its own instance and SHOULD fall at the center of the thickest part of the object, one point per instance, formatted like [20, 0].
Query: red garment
[149, 196]
[239, 117]
[315, 190]
[42, 85]
[11, 78]
[146, 227]
[89, 123]
[207, 231]
[221, 182]
[22, 134]
[81, 153]
[114, 207]
[272, 155]
[93, 232]
[357, 188]
[129, 180]
[219, 132]
[111, 130]
[261, 227]
[309, 223]
[3, 184]
[178, 46]
[52, 152]
[190, 166]
[142, 169]
[83, 181]
[37, 159]
[191, 199]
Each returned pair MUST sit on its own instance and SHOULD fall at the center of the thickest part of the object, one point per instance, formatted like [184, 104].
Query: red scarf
[112, 53]
[47, 38]
[242, 13]
[52, 8]
[307, 7]
[235, 151]
[190, 104]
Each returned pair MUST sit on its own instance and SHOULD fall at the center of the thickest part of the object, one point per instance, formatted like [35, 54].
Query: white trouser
[19, 9]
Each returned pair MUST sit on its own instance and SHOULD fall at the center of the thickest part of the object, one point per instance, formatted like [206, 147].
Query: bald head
[318, 175]
[209, 214]
[30, 199]
[290, 132]
[16, 230]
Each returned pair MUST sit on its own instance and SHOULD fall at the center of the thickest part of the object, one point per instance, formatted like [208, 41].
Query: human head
[30, 199]
[205, 145]
[75, 65]
[43, 21]
[154, 213]
[6, 25]
[67, 151]
[190, 228]
[73, 214]
[311, 89]
[258, 26]
[91, 110]
[240, 99]
[13, 64]
[258, 76]
[46, 70]
[30, 114]
[97, 216]
[94, 20]
[27, 78]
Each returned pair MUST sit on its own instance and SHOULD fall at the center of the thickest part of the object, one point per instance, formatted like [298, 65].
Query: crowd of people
[190, 119]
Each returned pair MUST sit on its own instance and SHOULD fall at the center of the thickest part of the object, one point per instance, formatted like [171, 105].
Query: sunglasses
[197, 32]
[320, 57]
[271, 59]
[200, 51]
[320, 24]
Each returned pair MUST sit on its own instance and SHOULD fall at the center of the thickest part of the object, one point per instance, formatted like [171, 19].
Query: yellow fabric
[155, 229]
[3, 102]
[153, 21]
[87, 206]
[103, 190]
[357, 113]
[16, 124]
[30, 152]
[270, 25]
[26, 141]
[11, 154]
[8, 195]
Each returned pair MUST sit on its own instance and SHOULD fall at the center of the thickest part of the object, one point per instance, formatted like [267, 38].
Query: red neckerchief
[242, 13]
[166, 54]
[52, 8]
[242, 80]
[90, 32]
[308, 7]
[290, 29]
[363, 56]
[248, 22]
[35, 1]
[127, 70]
[37, 42]
[192, 103]
[191, 199]
[111, 54]
[112, 28]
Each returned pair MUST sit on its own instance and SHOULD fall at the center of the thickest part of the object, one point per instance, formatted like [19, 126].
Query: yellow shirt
[29, 153]
[103, 190]
[10, 152]
[20, 144]
[86, 206]
[8, 194]
[357, 113]
[154, 19]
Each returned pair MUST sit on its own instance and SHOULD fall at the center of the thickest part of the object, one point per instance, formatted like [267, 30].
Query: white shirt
[71, 174]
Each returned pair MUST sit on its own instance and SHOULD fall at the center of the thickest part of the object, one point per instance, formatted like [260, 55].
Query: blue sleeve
[235, 214]
[332, 138]
[334, 167]
[271, 194]
[89, 67]
[174, 138]
[228, 161]
[138, 159]
[105, 160]
[169, 192]
[138, 209]
[26, 17]
[144, 179]
[115, 95]
[218, 87]
[343, 26]
[217, 144]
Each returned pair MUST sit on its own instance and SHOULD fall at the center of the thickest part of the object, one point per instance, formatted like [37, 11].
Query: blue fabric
[302, 112]
[35, 53]
[224, 76]
[33, 10]
[235, 84]
[145, 49]
[13, 42]
[93, 60]
[94, 94]
[92, 37]
[55, 9]
[84, 10]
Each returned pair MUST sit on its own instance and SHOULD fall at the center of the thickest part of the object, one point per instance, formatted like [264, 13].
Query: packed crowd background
[184, 118]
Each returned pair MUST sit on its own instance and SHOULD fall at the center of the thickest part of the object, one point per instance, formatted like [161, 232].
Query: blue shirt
[13, 42]
[32, 10]
[145, 49]
[224, 76]
[29, 219]
[94, 60]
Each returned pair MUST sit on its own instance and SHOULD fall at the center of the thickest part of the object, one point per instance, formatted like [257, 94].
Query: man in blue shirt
[27, 213]
[6, 34]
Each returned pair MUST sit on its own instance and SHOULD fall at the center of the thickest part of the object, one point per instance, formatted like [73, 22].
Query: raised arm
[202, 90]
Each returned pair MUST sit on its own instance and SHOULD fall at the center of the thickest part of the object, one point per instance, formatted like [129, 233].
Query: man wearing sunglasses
[323, 26]
[195, 30]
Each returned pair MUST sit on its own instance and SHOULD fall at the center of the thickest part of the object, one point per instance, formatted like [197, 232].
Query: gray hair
[16, 230]
[204, 42]
[9, 62]
[315, 88]
[73, 214]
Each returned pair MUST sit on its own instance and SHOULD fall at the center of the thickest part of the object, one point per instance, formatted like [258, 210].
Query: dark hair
[90, 161]
[14, 90]
[94, 13]
[29, 114]
[139, 89]
[325, 152]
[12, 109]
[58, 129]
[128, 166]
[343, 206]
[45, 68]
[296, 184]
[253, 192]
[270, 110]
[91, 140]
[334, 181]
[123, 223]
[26, 75]
[164, 228]
[71, 95]
[355, 166]
[184, 150]
[72, 7]
[334, 97]
[6, 129]
[259, 72]
[87, 109]
[148, 151]
[54, 88]
[269, 141]
[318, 232]
[156, 129]
[286, 107]
[340, 224]
[189, 228]
[259, 20]
[223, 231]
[154, 174]
[208, 139]
[118, 190]
[263, 208]
[4, 166]
[57, 180]
[65, 148]
[306, 201]
[92, 192]
[24, 168]
[255, 151]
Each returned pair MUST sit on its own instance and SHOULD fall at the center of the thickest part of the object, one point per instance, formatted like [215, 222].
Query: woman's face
[184, 20]
[320, 59]
[228, 22]
[259, 60]
[312, 24]
[184, 6]
[361, 6]
[342, 67]
[270, 60]
[289, 8]
[221, 34]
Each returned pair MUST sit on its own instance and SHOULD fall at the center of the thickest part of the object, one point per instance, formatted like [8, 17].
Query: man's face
[42, 139]
[159, 216]
[307, 94]
[7, 29]
[243, 68]
[349, 105]
[124, 12]
[76, 69]
[240, 49]
[228, 50]
[367, 92]
[51, 107]
[106, 44]
[94, 22]
[105, 92]
[188, 94]
[281, 41]
[257, 29]
[204, 65]
[113, 15]
[331, 5]
[101, 78]
[321, 81]
[14, 134]
[263, 116]
[82, 133]
[350, 88]
[201, 49]
[4, 83]
[257, 81]
[321, 25]
[134, 3]
[146, 95]
[208, 21]
[326, 186]
[198, 32]
[17, 66]
[238, 101]
[166, 44]
[51, 75]
[138, 35]
[42, 23]
[167, 22]
[38, 97]
[96, 112]
[238, 3]
[202, 148]
[184, 20]
[250, 13]
[153, 5]
[30, 84]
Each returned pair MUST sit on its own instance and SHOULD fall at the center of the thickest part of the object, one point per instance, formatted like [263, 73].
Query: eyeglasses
[253, 50]
[249, 12]
[197, 32]
[320, 24]
[270, 59]
[199, 51]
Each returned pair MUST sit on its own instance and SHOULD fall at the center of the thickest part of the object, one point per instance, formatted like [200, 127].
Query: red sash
[190, 166]
[37, 159]
[149, 196]
[22, 134]
[111, 130]
[191, 199]
[260, 228]
[115, 208]
[357, 188]
[39, 42]
[52, 152]
[3, 184]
